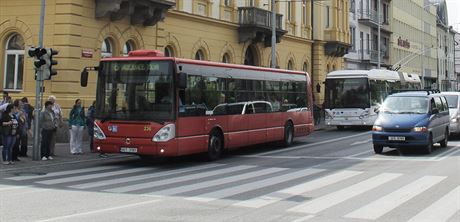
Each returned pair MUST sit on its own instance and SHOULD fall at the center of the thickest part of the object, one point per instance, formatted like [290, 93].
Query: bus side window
[249, 109]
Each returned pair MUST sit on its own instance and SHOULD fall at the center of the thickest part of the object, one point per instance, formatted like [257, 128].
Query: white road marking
[440, 210]
[219, 194]
[99, 211]
[302, 219]
[143, 176]
[216, 182]
[274, 197]
[391, 201]
[361, 142]
[61, 173]
[319, 204]
[92, 176]
[195, 176]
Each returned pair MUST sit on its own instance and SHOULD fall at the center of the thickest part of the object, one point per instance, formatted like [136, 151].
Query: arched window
[106, 48]
[128, 47]
[169, 51]
[290, 65]
[14, 63]
[199, 55]
[226, 58]
[305, 67]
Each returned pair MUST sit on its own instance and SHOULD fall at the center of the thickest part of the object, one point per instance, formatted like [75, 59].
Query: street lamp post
[378, 34]
[273, 34]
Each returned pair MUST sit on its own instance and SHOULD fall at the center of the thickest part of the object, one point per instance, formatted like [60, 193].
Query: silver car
[453, 99]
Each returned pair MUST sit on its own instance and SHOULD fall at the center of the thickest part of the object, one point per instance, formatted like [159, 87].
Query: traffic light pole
[38, 89]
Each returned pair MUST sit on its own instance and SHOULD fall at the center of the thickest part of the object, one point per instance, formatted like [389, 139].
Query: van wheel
[429, 147]
[445, 140]
[378, 149]
[215, 146]
[288, 134]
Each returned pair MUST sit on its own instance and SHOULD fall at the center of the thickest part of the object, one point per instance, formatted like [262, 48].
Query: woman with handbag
[10, 125]
[76, 126]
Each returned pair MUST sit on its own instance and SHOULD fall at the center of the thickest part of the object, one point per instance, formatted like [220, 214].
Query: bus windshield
[135, 90]
[347, 93]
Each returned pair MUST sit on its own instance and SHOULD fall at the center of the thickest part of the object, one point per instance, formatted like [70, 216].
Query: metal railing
[252, 16]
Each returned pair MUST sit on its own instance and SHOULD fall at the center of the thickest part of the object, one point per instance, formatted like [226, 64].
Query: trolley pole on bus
[38, 89]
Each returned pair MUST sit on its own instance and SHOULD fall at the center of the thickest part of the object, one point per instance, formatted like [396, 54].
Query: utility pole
[273, 35]
[38, 89]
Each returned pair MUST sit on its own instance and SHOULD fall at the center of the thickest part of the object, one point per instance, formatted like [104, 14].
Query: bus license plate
[128, 150]
[397, 138]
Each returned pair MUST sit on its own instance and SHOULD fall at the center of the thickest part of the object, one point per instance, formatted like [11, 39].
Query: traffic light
[48, 70]
[37, 53]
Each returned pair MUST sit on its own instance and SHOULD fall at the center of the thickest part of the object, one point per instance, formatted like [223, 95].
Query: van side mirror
[84, 78]
[182, 80]
[435, 111]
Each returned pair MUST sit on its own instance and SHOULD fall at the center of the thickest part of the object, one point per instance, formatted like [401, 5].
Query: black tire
[445, 140]
[429, 146]
[288, 134]
[215, 146]
[378, 149]
[340, 127]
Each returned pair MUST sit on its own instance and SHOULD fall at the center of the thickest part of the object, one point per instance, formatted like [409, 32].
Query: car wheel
[378, 149]
[445, 140]
[215, 146]
[429, 146]
[288, 134]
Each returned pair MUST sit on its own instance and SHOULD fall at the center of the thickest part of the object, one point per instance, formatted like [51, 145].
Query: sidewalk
[62, 156]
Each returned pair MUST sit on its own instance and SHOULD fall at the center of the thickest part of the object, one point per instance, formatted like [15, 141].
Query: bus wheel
[340, 127]
[215, 146]
[288, 134]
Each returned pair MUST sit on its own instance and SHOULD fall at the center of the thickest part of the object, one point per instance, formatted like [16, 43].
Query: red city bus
[151, 105]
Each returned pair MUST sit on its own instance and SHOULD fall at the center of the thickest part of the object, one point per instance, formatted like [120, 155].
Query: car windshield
[405, 105]
[452, 100]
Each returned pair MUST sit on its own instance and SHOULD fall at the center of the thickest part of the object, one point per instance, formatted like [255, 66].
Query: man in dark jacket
[48, 124]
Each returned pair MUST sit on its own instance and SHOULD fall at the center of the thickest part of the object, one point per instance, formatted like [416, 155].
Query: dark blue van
[412, 119]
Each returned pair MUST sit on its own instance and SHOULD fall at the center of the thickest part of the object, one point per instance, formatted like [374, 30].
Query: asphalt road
[328, 176]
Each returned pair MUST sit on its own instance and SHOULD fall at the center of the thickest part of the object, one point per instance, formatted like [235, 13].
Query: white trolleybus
[352, 97]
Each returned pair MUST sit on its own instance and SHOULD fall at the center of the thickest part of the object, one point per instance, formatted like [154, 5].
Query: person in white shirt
[58, 114]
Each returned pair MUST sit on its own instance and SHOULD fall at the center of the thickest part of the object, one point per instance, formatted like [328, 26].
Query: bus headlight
[454, 120]
[164, 134]
[98, 134]
[377, 128]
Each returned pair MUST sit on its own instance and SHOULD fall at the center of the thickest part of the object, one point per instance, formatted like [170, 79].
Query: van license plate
[128, 150]
[397, 138]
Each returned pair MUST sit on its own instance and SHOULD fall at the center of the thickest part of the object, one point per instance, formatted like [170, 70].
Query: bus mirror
[84, 78]
[182, 80]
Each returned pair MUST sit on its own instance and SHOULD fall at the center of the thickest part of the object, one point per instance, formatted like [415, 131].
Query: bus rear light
[166, 133]
[162, 151]
[98, 148]
[98, 134]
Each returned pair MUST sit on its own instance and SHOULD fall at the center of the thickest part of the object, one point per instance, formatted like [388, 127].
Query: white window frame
[16, 54]
[131, 47]
[108, 53]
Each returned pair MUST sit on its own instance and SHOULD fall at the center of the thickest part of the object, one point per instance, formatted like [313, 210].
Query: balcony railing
[369, 15]
[384, 55]
[256, 25]
[252, 16]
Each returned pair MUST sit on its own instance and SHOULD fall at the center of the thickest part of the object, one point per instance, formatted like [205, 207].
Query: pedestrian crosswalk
[255, 187]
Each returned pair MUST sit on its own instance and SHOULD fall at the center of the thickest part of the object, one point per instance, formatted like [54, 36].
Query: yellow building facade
[234, 31]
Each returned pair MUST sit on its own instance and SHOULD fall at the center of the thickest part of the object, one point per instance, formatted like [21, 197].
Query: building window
[290, 65]
[353, 38]
[227, 3]
[226, 58]
[385, 14]
[368, 44]
[327, 17]
[304, 14]
[106, 48]
[352, 6]
[305, 67]
[199, 55]
[14, 63]
[290, 9]
[128, 47]
[251, 3]
[169, 51]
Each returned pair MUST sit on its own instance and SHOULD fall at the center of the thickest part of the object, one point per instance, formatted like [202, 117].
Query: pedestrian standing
[76, 126]
[4, 98]
[28, 111]
[58, 114]
[90, 124]
[9, 126]
[48, 122]
[21, 130]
